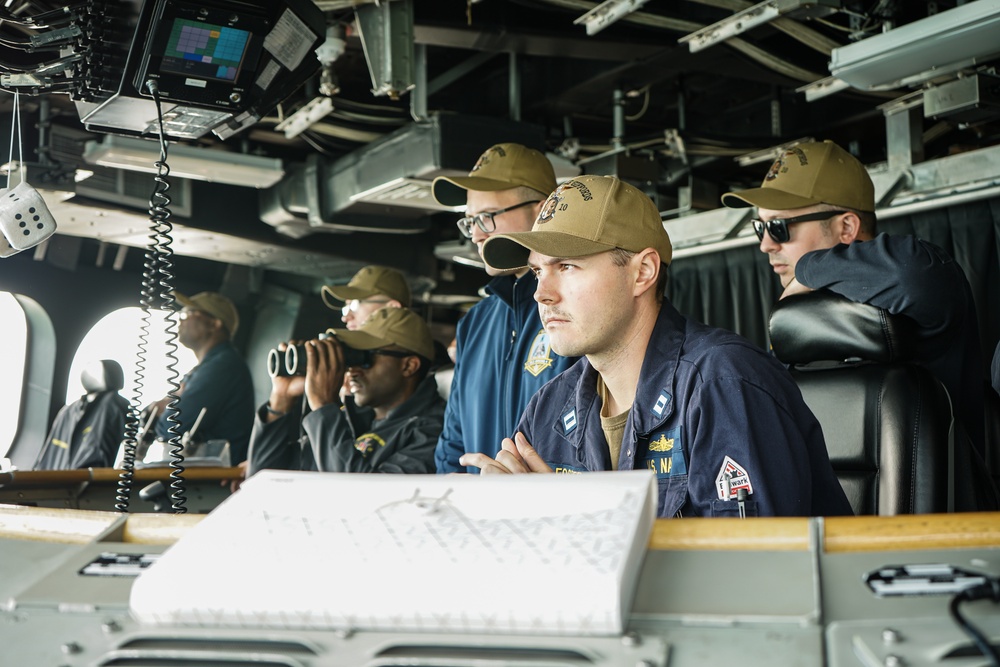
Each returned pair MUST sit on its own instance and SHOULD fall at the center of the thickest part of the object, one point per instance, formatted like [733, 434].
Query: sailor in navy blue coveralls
[721, 422]
[712, 415]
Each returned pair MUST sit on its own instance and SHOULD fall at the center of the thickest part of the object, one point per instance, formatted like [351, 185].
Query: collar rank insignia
[539, 354]
[569, 421]
[661, 404]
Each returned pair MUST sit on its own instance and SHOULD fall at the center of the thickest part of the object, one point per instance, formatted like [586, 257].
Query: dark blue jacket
[503, 359]
[221, 383]
[712, 414]
[907, 276]
[86, 433]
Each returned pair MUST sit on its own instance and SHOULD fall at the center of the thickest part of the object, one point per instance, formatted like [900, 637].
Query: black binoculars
[292, 361]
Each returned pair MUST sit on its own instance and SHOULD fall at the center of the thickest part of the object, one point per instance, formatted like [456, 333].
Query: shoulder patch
[539, 354]
[732, 477]
[367, 442]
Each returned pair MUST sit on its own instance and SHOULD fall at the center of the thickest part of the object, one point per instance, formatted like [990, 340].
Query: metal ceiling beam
[662, 68]
[753, 16]
[606, 13]
[459, 71]
[731, 26]
[526, 44]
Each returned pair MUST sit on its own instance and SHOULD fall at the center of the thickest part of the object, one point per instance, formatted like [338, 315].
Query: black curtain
[735, 289]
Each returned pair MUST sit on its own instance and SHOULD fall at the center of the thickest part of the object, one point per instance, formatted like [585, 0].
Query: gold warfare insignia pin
[539, 355]
[662, 445]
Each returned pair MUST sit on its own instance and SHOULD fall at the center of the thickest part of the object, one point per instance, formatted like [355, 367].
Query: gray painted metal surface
[801, 607]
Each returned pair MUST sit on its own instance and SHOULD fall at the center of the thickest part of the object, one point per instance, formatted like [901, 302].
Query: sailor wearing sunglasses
[816, 223]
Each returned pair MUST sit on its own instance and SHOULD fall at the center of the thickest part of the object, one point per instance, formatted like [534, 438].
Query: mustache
[553, 313]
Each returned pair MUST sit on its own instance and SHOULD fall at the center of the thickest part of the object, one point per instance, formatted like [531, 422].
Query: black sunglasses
[777, 229]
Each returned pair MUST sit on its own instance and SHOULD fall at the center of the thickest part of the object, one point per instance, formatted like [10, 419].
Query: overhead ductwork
[961, 37]
[385, 187]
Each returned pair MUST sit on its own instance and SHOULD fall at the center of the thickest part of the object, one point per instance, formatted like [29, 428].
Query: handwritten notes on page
[533, 554]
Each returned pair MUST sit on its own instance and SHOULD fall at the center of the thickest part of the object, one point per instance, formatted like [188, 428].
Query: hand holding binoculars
[292, 361]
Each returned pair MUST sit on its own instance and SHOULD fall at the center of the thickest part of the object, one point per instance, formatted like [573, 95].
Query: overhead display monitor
[205, 50]
[204, 53]
[215, 65]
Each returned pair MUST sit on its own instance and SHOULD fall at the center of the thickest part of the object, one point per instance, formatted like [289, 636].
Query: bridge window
[15, 346]
[116, 336]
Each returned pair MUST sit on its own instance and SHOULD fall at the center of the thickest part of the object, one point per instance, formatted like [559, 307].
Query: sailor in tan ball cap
[371, 288]
[816, 223]
[718, 420]
[502, 351]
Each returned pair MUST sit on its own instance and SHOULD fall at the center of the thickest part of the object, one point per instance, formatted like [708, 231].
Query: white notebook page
[546, 554]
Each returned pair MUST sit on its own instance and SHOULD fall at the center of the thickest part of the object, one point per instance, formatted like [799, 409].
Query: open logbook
[545, 554]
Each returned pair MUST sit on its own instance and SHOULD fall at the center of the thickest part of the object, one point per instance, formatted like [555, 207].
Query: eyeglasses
[186, 313]
[485, 220]
[354, 305]
[777, 229]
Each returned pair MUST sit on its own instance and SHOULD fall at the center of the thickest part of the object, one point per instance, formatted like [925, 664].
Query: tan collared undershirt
[613, 426]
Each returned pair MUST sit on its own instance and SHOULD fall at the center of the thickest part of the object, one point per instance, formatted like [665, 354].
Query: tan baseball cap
[501, 167]
[215, 305]
[585, 216]
[810, 174]
[368, 282]
[391, 326]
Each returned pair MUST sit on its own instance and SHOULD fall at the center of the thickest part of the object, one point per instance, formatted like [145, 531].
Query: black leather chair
[887, 422]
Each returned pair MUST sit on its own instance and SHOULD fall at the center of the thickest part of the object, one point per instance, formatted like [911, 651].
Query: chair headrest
[103, 375]
[823, 326]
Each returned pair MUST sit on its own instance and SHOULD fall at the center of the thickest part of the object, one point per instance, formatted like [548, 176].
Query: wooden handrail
[48, 524]
[759, 534]
[840, 534]
[49, 478]
[43, 477]
[158, 528]
[912, 531]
